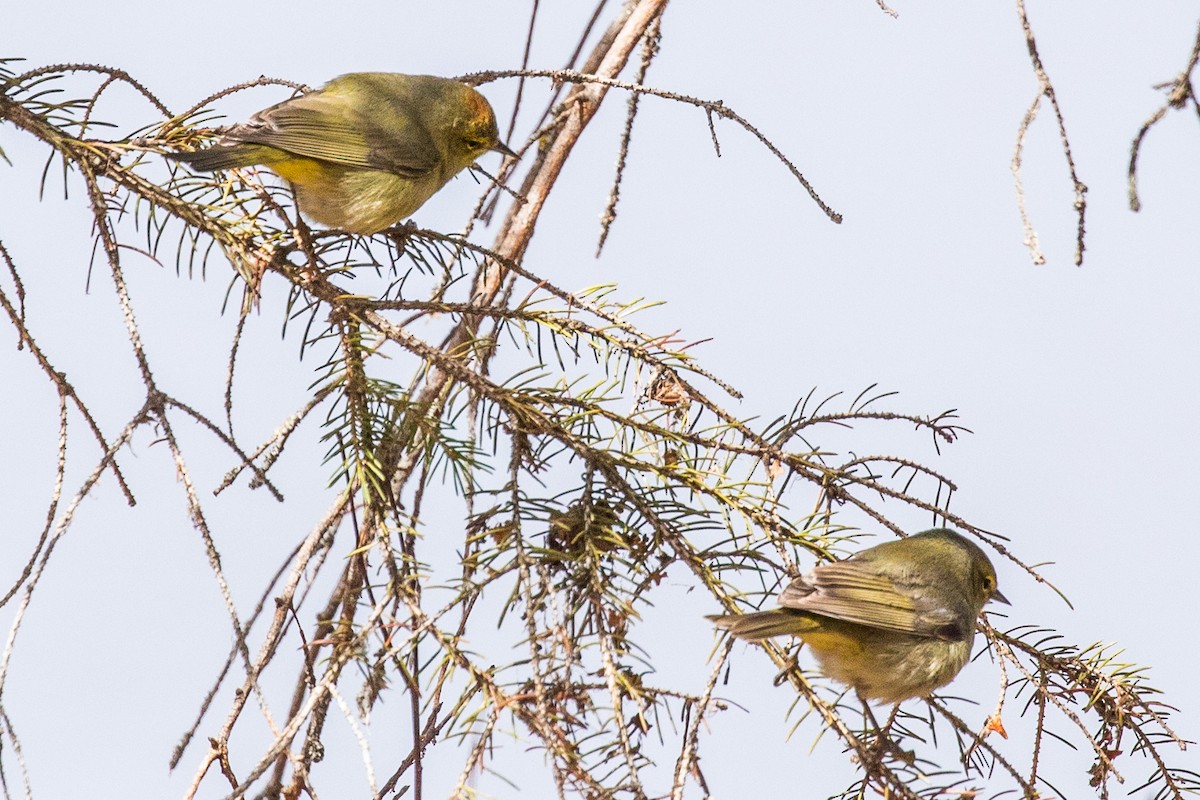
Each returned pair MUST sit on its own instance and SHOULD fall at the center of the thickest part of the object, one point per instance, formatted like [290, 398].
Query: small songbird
[894, 621]
[366, 150]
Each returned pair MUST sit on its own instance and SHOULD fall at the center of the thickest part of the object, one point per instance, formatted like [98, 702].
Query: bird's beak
[999, 598]
[501, 147]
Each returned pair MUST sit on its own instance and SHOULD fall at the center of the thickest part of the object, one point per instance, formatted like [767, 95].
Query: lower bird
[894, 621]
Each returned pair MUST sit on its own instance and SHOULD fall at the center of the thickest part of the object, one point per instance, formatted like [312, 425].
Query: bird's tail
[224, 157]
[760, 625]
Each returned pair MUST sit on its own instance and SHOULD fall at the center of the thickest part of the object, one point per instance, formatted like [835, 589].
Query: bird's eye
[989, 582]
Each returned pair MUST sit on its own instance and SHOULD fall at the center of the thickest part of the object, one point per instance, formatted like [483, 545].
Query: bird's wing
[325, 127]
[855, 591]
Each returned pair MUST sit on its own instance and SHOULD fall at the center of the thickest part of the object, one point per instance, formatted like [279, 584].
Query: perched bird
[894, 621]
[367, 149]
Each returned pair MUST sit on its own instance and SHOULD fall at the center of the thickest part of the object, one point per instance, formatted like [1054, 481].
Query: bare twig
[1180, 93]
[1045, 89]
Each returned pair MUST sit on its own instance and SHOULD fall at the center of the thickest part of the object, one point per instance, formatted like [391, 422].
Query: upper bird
[367, 149]
[894, 621]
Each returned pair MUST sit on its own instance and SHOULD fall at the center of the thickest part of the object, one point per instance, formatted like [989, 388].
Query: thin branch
[1046, 89]
[1181, 91]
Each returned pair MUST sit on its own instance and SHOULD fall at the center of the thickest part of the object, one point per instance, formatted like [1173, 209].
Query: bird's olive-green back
[408, 125]
[931, 584]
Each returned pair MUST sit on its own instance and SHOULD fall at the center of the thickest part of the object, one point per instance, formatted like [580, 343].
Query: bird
[894, 622]
[367, 149]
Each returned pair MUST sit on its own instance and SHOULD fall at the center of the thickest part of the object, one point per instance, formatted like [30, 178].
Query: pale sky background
[1080, 384]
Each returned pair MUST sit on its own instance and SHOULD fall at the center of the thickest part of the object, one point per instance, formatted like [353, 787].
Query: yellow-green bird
[894, 621]
[367, 149]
